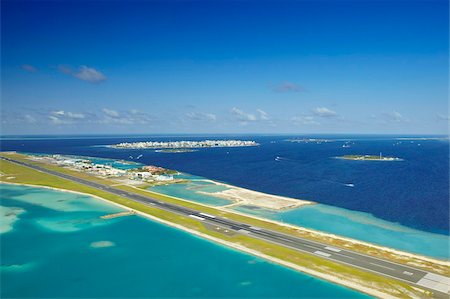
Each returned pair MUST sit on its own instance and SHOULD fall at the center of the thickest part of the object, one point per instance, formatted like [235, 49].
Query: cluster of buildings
[146, 173]
[185, 144]
[151, 173]
[84, 165]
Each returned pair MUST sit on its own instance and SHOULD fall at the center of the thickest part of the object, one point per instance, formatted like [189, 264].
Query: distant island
[369, 158]
[184, 144]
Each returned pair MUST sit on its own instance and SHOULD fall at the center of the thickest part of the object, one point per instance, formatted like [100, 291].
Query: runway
[438, 284]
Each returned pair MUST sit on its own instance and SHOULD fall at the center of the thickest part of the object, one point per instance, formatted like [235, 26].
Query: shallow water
[189, 191]
[361, 226]
[128, 257]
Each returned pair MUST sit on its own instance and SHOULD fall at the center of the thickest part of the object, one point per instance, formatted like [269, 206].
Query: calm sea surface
[54, 245]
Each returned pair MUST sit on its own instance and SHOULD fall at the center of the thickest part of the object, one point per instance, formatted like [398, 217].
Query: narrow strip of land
[438, 284]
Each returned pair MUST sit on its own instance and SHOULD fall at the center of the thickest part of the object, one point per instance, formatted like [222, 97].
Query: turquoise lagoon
[347, 223]
[191, 190]
[56, 246]
[361, 226]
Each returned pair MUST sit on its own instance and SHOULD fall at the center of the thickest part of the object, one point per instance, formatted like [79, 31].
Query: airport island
[375, 270]
[184, 144]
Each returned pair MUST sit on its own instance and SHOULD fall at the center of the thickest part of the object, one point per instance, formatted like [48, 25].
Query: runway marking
[434, 285]
[318, 252]
[382, 266]
[255, 228]
[243, 231]
[196, 217]
[438, 278]
[332, 249]
[407, 273]
[207, 215]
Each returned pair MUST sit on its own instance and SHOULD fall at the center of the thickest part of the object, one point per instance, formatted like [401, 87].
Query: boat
[349, 185]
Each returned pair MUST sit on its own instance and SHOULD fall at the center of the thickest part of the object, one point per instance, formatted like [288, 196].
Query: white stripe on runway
[207, 215]
[438, 278]
[332, 249]
[441, 287]
[382, 266]
[196, 217]
[322, 253]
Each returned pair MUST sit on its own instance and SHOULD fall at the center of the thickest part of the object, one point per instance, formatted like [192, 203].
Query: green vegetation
[18, 174]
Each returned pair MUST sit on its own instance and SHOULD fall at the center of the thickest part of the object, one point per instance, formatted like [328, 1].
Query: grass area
[18, 174]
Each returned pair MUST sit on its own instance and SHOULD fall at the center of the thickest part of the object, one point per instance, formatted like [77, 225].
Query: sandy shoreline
[242, 196]
[327, 277]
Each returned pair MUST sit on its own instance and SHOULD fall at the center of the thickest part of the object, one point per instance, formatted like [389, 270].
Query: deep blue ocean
[413, 192]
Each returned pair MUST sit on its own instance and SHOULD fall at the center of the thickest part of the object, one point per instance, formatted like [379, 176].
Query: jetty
[120, 214]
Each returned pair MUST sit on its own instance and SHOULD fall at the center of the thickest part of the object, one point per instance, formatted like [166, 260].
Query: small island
[369, 158]
[184, 144]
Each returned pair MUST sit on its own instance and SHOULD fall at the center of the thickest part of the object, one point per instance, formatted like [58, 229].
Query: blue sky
[224, 67]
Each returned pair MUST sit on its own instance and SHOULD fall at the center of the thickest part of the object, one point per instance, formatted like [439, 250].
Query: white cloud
[242, 116]
[394, 116]
[304, 120]
[29, 68]
[60, 117]
[75, 115]
[72, 115]
[131, 117]
[56, 120]
[59, 112]
[84, 73]
[201, 116]
[110, 112]
[324, 112]
[89, 74]
[263, 114]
